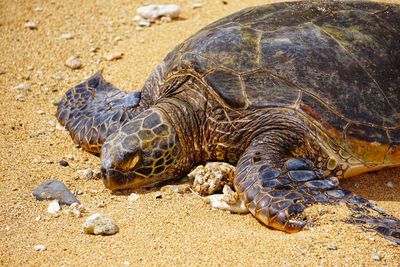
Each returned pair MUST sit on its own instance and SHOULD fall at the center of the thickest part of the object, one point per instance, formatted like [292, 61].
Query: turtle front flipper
[94, 109]
[277, 187]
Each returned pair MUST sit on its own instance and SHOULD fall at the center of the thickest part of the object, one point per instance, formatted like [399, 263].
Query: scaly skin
[297, 94]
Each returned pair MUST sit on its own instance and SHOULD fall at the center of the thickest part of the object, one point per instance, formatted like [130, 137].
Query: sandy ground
[179, 229]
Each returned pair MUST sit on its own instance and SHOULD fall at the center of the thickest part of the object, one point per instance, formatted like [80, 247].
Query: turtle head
[143, 152]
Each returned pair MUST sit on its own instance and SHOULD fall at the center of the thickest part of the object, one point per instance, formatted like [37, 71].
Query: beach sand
[178, 229]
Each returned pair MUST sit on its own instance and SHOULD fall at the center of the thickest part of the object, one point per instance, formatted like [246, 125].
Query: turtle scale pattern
[327, 71]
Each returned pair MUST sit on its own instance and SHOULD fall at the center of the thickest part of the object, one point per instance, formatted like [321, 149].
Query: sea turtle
[296, 94]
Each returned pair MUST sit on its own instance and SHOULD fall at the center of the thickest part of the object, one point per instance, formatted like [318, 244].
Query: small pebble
[158, 195]
[2, 71]
[137, 18]
[60, 127]
[40, 248]
[98, 224]
[166, 19]
[54, 207]
[332, 246]
[197, 5]
[75, 210]
[94, 49]
[40, 112]
[63, 163]
[144, 23]
[22, 86]
[390, 184]
[73, 63]
[67, 36]
[30, 68]
[376, 257]
[113, 56]
[38, 218]
[87, 174]
[32, 25]
[58, 76]
[153, 12]
[133, 197]
[101, 203]
[20, 98]
[7, 228]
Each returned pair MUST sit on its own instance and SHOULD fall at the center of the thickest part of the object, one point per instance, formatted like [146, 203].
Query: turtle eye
[130, 161]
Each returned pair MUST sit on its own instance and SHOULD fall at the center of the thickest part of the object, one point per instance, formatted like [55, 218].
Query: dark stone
[52, 189]
[63, 163]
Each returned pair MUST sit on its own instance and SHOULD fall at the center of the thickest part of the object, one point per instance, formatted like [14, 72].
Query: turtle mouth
[117, 180]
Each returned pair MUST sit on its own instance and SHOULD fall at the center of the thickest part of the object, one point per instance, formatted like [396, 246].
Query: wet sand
[178, 229]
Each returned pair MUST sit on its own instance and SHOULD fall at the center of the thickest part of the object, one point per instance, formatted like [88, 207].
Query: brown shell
[336, 63]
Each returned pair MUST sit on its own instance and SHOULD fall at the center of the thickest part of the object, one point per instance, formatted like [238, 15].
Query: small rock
[197, 5]
[30, 68]
[60, 127]
[376, 257]
[22, 86]
[137, 18]
[101, 203]
[40, 248]
[390, 184]
[73, 63]
[87, 174]
[98, 224]
[38, 218]
[133, 197]
[7, 228]
[32, 25]
[332, 246]
[75, 210]
[113, 56]
[67, 36]
[54, 207]
[20, 98]
[58, 76]
[158, 195]
[94, 49]
[153, 12]
[117, 39]
[2, 71]
[144, 23]
[165, 19]
[52, 189]
[40, 112]
[63, 163]
[47, 161]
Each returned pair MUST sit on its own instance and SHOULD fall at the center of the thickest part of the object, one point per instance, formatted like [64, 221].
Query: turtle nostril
[103, 172]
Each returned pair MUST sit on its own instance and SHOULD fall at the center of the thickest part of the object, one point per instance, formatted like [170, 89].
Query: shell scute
[226, 84]
[279, 94]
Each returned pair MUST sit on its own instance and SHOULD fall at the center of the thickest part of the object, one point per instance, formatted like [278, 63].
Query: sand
[178, 229]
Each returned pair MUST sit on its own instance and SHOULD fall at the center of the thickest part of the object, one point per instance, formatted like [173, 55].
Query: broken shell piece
[153, 12]
[212, 177]
[53, 207]
[229, 201]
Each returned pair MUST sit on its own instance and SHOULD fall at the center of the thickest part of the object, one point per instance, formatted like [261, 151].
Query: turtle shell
[336, 63]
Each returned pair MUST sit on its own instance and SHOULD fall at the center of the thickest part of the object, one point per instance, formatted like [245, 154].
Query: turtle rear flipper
[94, 109]
[277, 187]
